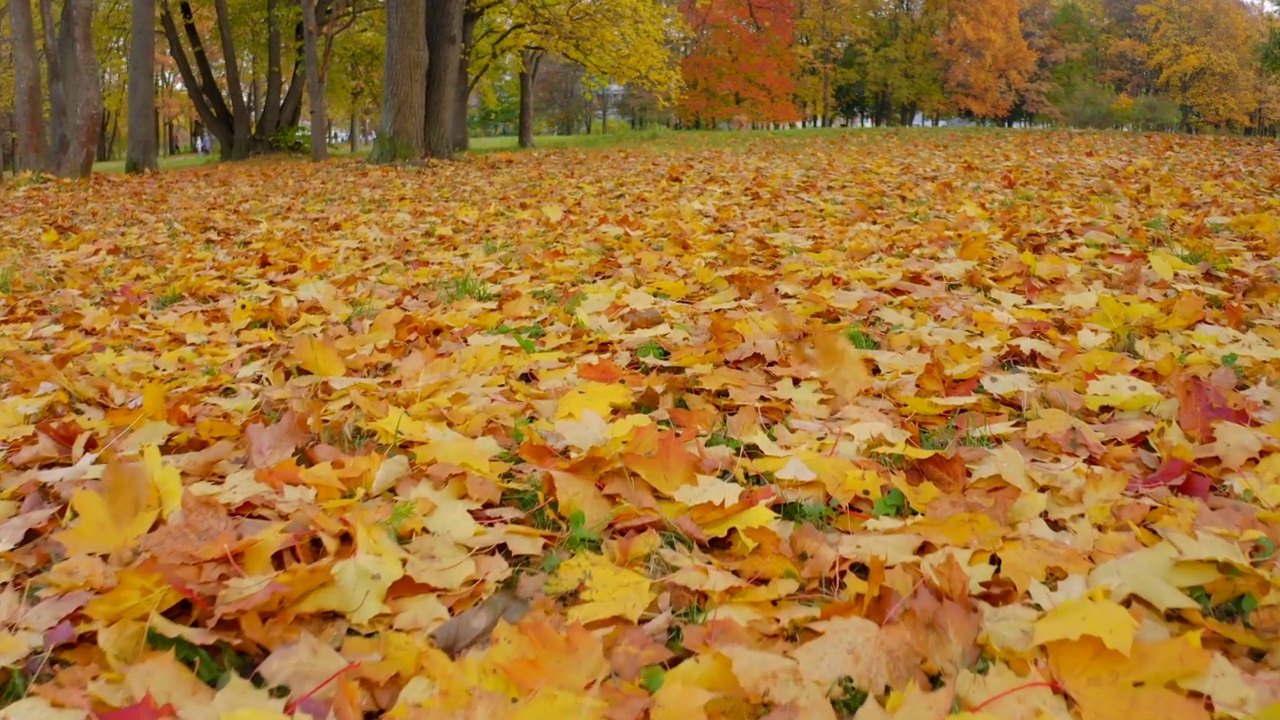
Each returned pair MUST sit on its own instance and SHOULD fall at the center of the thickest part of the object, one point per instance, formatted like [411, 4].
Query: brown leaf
[473, 626]
[277, 443]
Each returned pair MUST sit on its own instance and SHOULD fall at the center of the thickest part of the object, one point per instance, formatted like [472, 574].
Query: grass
[7, 276]
[861, 340]
[170, 298]
[167, 162]
[468, 286]
[659, 137]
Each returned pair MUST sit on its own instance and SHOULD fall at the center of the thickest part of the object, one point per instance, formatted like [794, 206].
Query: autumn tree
[988, 63]
[142, 153]
[206, 68]
[68, 144]
[893, 69]
[742, 64]
[823, 29]
[1201, 52]
[354, 88]
[623, 42]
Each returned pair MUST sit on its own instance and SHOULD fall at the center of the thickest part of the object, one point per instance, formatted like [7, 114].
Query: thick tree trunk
[81, 91]
[528, 73]
[444, 44]
[461, 133]
[315, 83]
[29, 100]
[141, 155]
[403, 92]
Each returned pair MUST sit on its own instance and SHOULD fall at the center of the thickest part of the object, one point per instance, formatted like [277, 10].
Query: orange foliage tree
[742, 66]
[988, 62]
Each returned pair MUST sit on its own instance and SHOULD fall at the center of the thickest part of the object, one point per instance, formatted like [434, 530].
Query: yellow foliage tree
[1201, 52]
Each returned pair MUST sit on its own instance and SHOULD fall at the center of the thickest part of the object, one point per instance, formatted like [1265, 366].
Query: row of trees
[249, 72]
[253, 69]
[1197, 63]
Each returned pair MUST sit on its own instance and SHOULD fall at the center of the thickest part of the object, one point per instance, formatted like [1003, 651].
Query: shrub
[1089, 106]
[291, 139]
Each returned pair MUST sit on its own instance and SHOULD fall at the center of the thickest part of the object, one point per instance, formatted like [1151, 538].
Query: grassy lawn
[661, 138]
[168, 162]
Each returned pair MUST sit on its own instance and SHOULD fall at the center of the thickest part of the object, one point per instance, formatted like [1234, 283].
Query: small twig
[1000, 696]
[292, 707]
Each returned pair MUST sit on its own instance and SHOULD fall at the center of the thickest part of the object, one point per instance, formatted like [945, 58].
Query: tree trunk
[29, 100]
[141, 155]
[269, 120]
[528, 73]
[352, 136]
[58, 138]
[403, 93]
[461, 134]
[81, 90]
[315, 83]
[444, 44]
[204, 92]
[240, 120]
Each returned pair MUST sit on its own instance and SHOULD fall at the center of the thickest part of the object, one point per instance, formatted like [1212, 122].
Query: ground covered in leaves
[909, 425]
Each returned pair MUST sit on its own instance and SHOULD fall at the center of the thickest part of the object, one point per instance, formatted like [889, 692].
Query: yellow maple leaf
[1122, 392]
[597, 397]
[153, 402]
[1095, 617]
[360, 582]
[115, 518]
[606, 590]
[166, 479]
[1106, 685]
[1154, 575]
[318, 356]
[753, 517]
[137, 594]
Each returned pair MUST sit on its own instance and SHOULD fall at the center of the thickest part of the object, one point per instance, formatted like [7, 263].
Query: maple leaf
[360, 582]
[1109, 686]
[605, 589]
[116, 517]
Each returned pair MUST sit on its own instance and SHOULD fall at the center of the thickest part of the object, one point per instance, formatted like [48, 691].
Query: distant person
[199, 145]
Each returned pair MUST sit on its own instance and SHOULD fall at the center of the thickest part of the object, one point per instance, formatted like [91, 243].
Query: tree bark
[444, 44]
[204, 92]
[270, 117]
[240, 120]
[461, 134]
[315, 83]
[403, 92]
[529, 60]
[80, 90]
[142, 153]
[29, 100]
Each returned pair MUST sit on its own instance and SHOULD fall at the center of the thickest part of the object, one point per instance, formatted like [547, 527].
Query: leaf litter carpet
[873, 425]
